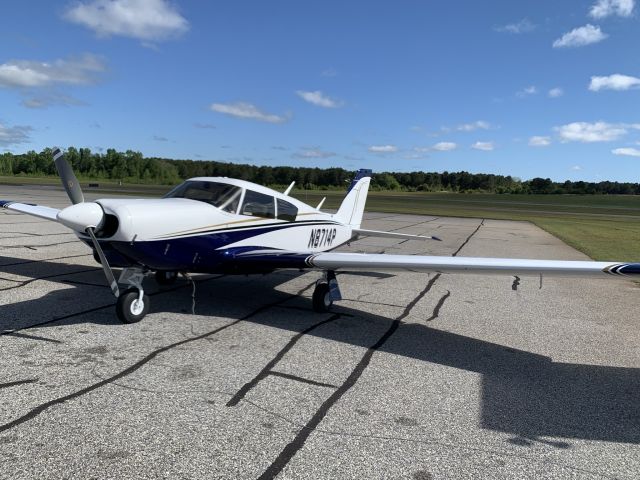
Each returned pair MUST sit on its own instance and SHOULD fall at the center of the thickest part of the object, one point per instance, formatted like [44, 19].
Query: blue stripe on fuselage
[205, 253]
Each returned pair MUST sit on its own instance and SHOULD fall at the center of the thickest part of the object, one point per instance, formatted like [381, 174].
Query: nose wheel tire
[129, 308]
[166, 277]
[322, 298]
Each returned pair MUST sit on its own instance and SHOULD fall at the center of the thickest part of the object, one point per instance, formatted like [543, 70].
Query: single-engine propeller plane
[224, 225]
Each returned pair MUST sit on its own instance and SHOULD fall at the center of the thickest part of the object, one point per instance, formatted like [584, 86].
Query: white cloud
[555, 92]
[49, 99]
[205, 126]
[581, 36]
[614, 82]
[319, 99]
[606, 8]
[591, 132]
[14, 135]
[142, 19]
[310, 153]
[630, 152]
[523, 26]
[484, 146]
[383, 148]
[531, 90]
[470, 127]
[445, 146]
[576, 168]
[539, 141]
[248, 110]
[82, 70]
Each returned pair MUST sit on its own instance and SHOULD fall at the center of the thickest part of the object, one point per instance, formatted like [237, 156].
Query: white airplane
[224, 225]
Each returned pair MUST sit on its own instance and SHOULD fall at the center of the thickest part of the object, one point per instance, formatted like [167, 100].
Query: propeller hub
[81, 216]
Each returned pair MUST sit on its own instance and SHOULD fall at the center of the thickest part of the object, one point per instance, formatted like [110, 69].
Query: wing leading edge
[438, 264]
[40, 211]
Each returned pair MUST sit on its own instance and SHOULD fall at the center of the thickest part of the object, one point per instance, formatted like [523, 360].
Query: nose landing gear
[132, 304]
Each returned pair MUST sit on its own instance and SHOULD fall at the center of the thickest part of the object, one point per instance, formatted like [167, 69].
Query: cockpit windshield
[222, 195]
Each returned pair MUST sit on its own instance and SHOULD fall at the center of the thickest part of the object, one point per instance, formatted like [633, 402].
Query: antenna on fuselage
[286, 192]
[321, 202]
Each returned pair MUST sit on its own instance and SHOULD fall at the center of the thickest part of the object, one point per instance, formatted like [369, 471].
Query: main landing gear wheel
[130, 308]
[164, 277]
[322, 300]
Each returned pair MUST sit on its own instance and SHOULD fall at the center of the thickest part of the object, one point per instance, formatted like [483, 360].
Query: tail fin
[352, 207]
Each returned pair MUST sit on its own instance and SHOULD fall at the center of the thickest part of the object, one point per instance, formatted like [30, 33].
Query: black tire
[164, 277]
[127, 308]
[322, 298]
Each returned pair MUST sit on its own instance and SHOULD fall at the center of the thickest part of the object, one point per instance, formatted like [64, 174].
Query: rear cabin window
[221, 195]
[287, 211]
[258, 205]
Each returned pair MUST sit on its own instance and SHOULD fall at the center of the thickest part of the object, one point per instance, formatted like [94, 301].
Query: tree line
[133, 167]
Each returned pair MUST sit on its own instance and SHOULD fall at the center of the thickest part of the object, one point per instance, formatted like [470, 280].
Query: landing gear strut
[326, 292]
[133, 304]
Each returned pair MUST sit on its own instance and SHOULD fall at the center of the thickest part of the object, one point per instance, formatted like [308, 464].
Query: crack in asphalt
[454, 254]
[268, 368]
[35, 247]
[516, 282]
[44, 260]
[34, 412]
[301, 379]
[436, 310]
[22, 283]
[19, 382]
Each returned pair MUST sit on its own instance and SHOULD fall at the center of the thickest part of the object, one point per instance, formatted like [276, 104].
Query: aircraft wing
[47, 213]
[441, 264]
[276, 259]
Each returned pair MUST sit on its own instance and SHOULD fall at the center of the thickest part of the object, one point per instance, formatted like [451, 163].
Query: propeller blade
[68, 178]
[105, 265]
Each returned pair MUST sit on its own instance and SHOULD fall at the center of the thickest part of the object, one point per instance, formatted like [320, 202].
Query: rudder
[352, 208]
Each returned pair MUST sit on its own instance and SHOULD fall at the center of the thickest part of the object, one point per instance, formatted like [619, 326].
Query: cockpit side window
[258, 205]
[221, 195]
[287, 211]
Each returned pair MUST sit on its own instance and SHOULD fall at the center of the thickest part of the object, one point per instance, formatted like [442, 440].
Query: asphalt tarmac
[411, 376]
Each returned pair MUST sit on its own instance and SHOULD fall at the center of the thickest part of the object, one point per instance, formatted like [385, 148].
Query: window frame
[278, 200]
[273, 203]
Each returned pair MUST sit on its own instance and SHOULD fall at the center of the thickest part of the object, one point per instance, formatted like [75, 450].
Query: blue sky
[528, 89]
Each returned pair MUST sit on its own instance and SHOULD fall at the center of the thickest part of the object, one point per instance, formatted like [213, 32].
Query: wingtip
[436, 238]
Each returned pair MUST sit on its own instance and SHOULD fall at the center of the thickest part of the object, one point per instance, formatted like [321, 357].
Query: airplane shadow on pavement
[523, 394]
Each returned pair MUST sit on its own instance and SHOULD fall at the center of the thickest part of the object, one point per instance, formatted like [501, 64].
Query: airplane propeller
[69, 180]
[83, 217]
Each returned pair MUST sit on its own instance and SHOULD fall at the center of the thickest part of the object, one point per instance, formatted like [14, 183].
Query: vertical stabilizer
[352, 207]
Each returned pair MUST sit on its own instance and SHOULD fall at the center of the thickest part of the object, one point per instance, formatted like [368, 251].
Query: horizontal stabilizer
[376, 233]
